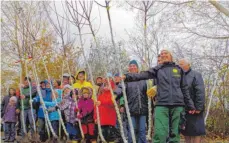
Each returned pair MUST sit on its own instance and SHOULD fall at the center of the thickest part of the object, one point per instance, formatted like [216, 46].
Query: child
[53, 114]
[67, 107]
[10, 119]
[107, 112]
[86, 112]
[47, 97]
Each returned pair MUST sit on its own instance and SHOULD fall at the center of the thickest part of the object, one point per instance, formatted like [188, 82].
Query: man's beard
[99, 84]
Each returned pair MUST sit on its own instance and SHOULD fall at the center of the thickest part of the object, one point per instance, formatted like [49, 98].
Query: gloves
[57, 107]
[152, 91]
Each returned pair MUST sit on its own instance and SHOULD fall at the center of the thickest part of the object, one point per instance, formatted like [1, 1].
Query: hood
[87, 88]
[85, 75]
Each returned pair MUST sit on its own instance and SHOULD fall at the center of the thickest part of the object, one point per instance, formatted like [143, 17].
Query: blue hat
[45, 81]
[133, 62]
[117, 74]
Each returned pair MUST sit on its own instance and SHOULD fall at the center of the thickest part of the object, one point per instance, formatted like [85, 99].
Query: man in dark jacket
[195, 127]
[172, 95]
[138, 104]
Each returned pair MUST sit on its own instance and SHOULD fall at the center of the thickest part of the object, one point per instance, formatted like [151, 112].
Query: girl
[86, 108]
[10, 119]
[67, 107]
[107, 112]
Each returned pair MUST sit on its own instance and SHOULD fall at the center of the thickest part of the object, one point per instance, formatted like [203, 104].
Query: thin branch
[169, 2]
[100, 4]
[210, 37]
[219, 7]
[134, 6]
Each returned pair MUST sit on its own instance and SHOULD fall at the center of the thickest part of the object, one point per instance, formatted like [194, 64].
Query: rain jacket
[106, 108]
[85, 83]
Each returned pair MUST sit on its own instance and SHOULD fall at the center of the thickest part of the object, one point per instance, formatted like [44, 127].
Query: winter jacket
[136, 96]
[67, 106]
[196, 88]
[59, 92]
[54, 115]
[172, 87]
[86, 108]
[4, 104]
[10, 114]
[26, 92]
[85, 83]
[79, 84]
[47, 97]
[106, 109]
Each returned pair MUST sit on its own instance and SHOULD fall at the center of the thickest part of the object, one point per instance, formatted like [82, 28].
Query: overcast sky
[122, 20]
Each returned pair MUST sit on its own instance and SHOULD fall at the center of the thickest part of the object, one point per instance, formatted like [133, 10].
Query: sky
[122, 20]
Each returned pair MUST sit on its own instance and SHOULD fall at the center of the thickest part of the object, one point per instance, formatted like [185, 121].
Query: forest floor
[206, 139]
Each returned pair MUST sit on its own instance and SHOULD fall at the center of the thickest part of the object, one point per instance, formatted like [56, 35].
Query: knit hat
[117, 74]
[45, 81]
[67, 86]
[14, 98]
[66, 75]
[133, 62]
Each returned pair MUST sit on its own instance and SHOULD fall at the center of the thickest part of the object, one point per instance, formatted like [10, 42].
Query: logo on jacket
[176, 73]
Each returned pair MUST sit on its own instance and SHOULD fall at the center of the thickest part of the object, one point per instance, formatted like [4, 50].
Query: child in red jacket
[107, 112]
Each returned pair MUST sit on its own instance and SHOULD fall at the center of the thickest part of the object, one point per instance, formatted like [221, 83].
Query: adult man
[172, 95]
[25, 96]
[195, 127]
[137, 102]
[99, 81]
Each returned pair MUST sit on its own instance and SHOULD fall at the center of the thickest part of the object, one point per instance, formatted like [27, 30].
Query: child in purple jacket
[86, 108]
[10, 119]
[67, 107]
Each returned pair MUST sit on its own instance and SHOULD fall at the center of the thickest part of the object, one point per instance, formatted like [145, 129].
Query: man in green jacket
[26, 107]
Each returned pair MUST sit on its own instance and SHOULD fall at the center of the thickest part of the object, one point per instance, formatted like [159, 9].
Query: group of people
[177, 94]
